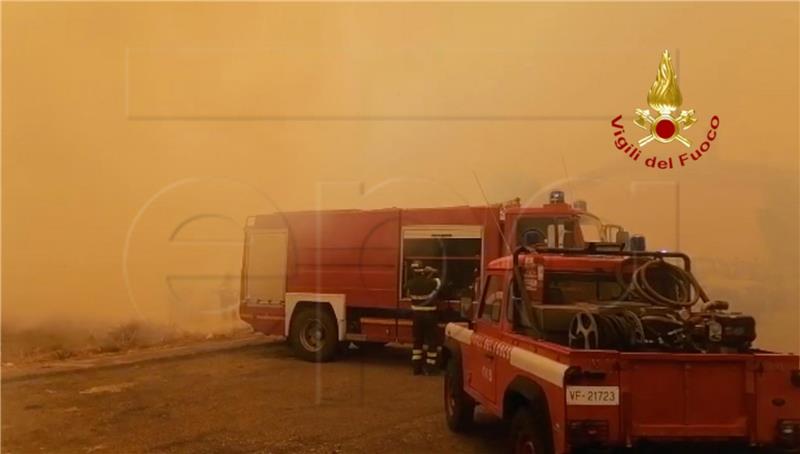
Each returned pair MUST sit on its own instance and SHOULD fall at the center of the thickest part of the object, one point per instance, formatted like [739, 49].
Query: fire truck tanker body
[321, 278]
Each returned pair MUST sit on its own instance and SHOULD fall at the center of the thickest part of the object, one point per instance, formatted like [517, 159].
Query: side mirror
[638, 243]
[466, 307]
[623, 237]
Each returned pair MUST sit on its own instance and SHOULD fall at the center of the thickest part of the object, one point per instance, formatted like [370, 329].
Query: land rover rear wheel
[314, 335]
[526, 434]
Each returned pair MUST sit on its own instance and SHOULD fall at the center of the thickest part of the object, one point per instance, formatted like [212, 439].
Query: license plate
[592, 395]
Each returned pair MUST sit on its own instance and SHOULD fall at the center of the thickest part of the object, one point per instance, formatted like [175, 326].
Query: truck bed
[679, 397]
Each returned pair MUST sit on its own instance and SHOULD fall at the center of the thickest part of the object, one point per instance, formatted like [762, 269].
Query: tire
[459, 407]
[527, 434]
[314, 335]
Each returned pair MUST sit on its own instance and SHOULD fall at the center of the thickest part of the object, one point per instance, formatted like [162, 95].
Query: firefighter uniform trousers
[425, 330]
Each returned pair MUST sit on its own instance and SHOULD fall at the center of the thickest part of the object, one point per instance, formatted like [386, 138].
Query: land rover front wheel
[459, 407]
[314, 335]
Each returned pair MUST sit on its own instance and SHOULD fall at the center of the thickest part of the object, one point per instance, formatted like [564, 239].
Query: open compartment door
[455, 251]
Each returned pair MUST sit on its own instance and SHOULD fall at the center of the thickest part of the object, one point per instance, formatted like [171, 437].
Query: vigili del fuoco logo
[665, 124]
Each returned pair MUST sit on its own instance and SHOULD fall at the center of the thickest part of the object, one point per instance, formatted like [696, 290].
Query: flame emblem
[665, 98]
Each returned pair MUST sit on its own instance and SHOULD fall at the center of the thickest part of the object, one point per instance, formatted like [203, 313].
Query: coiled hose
[686, 289]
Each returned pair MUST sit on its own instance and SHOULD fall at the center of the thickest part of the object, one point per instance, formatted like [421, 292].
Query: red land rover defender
[603, 348]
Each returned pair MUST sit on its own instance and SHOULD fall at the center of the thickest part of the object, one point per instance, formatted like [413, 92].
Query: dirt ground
[252, 399]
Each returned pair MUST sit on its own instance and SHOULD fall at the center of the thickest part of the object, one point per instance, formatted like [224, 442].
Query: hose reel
[613, 330]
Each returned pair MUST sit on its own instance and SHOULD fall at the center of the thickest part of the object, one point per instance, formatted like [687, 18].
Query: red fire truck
[324, 277]
[597, 347]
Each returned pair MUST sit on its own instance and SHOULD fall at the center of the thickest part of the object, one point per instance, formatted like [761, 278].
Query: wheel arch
[333, 302]
[524, 392]
[450, 349]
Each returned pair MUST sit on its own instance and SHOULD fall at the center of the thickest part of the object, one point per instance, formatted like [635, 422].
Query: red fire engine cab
[324, 277]
[600, 347]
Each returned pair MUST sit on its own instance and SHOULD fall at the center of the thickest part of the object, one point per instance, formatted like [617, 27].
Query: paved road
[253, 399]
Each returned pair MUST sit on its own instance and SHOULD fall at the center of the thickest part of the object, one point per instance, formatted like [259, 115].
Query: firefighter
[423, 287]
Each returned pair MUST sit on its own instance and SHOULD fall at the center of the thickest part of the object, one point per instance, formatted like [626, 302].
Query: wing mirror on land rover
[638, 243]
[467, 299]
[615, 233]
[466, 307]
[623, 237]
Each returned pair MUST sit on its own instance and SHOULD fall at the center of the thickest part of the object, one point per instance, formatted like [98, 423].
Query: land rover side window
[516, 312]
[453, 251]
[492, 299]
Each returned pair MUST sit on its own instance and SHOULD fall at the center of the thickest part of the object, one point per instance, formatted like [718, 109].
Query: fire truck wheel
[526, 434]
[459, 407]
[314, 335]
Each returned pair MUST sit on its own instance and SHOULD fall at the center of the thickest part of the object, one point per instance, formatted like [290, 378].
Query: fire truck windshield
[569, 288]
[560, 231]
[565, 287]
[591, 228]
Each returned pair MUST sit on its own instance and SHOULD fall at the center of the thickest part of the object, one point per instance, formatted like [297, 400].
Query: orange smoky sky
[137, 137]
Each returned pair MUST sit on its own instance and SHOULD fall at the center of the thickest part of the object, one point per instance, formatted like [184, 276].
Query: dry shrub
[122, 337]
[59, 340]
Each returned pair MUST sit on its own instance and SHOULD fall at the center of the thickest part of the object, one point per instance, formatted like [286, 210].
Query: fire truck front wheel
[459, 407]
[314, 334]
[527, 434]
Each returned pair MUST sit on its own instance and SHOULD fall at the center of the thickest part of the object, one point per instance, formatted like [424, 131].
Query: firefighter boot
[416, 360]
[431, 362]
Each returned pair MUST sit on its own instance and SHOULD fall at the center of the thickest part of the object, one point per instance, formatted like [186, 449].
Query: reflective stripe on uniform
[416, 354]
[432, 354]
[416, 357]
[423, 308]
[431, 361]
